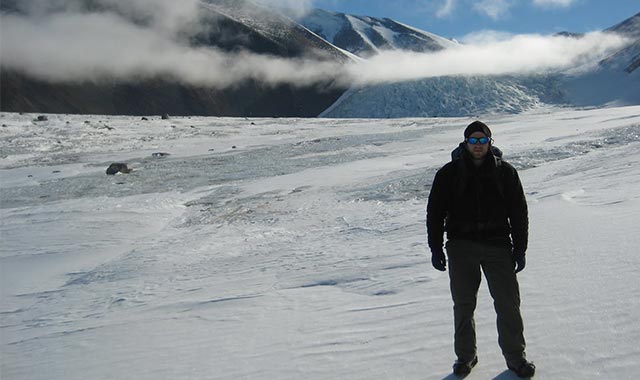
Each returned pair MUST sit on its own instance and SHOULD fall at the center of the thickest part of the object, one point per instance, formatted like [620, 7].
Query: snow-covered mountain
[366, 36]
[301, 253]
[614, 80]
[629, 57]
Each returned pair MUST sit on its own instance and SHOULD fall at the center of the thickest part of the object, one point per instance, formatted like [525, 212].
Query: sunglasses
[478, 140]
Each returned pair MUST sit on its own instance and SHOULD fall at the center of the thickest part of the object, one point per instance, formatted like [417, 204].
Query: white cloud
[493, 8]
[554, 3]
[520, 54]
[446, 9]
[87, 47]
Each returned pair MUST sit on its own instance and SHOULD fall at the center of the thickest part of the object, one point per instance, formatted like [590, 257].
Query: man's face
[478, 151]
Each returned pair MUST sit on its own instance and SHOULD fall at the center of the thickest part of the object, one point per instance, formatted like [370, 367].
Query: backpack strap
[500, 176]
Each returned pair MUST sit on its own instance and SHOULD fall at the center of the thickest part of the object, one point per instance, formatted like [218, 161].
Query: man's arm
[518, 216]
[436, 214]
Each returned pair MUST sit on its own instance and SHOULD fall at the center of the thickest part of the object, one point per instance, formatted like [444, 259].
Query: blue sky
[457, 18]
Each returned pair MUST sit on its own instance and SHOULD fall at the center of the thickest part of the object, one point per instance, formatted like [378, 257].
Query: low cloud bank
[77, 47]
[520, 54]
[60, 41]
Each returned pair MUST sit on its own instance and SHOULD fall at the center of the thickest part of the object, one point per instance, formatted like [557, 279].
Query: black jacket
[485, 203]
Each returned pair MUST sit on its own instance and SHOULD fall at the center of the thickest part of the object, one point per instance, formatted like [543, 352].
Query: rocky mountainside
[366, 36]
[231, 26]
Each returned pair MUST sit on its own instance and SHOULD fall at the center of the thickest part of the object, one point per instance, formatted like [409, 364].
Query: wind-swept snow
[301, 252]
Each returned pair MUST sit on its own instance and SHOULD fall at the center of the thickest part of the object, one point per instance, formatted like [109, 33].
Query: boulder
[118, 167]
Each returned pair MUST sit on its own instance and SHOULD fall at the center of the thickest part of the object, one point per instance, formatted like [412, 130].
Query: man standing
[478, 199]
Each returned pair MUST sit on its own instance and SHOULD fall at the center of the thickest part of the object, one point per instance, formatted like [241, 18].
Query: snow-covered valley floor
[301, 253]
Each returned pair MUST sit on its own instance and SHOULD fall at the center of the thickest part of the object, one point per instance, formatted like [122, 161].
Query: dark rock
[144, 119]
[42, 118]
[165, 116]
[233, 147]
[160, 155]
[118, 167]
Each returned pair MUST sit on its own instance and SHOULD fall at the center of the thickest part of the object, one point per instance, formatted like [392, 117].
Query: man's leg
[503, 285]
[465, 276]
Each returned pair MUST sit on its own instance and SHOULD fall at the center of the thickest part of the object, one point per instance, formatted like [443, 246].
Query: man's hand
[519, 261]
[438, 260]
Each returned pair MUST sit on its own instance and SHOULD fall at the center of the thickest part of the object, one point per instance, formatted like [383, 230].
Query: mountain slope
[615, 80]
[365, 36]
[448, 96]
[232, 26]
[629, 57]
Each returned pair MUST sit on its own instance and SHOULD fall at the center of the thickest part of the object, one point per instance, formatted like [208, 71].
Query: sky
[458, 18]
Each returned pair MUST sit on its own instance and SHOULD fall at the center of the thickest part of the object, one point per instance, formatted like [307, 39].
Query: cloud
[446, 9]
[60, 41]
[54, 49]
[554, 3]
[519, 54]
[495, 9]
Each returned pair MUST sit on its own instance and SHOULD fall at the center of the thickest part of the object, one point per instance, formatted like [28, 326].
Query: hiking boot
[524, 369]
[463, 368]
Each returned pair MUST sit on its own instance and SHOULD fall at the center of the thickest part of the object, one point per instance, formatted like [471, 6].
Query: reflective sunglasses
[478, 140]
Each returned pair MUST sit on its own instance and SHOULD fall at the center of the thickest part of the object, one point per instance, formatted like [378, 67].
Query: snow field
[301, 252]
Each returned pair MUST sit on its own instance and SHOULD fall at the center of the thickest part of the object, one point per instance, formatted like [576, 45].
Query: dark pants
[466, 258]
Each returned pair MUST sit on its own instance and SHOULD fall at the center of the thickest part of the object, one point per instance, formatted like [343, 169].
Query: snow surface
[301, 253]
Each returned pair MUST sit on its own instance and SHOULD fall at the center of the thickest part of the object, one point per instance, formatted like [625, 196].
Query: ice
[301, 253]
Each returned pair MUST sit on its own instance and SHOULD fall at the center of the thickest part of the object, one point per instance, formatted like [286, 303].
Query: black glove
[519, 261]
[438, 260]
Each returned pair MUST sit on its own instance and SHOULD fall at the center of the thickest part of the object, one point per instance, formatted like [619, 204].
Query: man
[478, 199]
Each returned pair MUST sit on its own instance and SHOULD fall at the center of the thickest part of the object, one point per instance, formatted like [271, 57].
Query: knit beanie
[477, 126]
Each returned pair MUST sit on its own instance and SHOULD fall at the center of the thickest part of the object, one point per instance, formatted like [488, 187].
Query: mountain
[629, 57]
[615, 80]
[366, 36]
[612, 81]
[229, 25]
